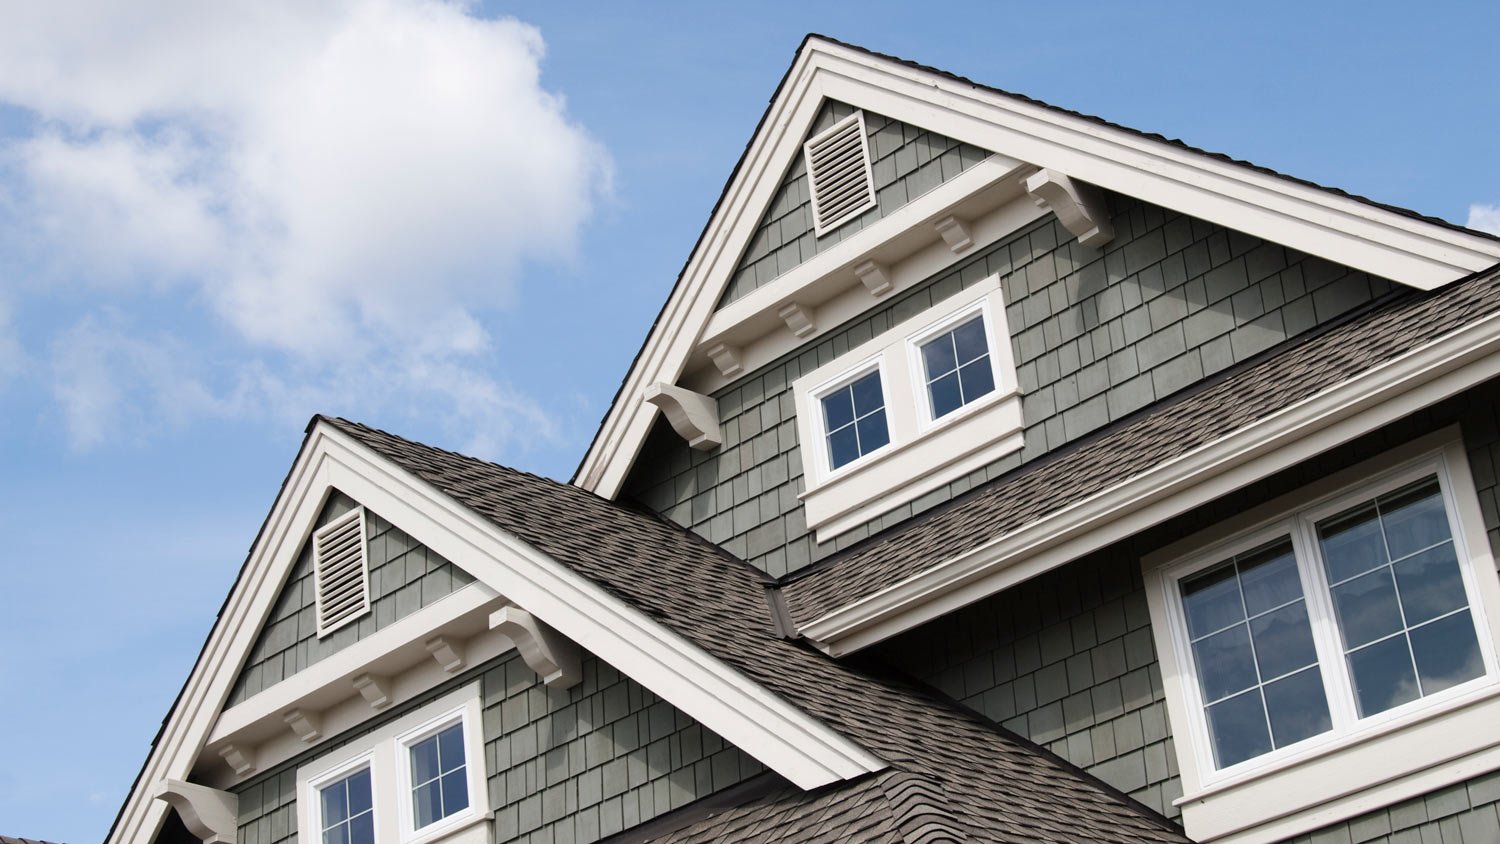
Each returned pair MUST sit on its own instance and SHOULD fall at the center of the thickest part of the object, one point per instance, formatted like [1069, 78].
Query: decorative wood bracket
[727, 359]
[376, 690]
[875, 277]
[307, 725]
[239, 757]
[545, 650]
[1078, 206]
[209, 814]
[448, 651]
[797, 318]
[694, 416]
[955, 233]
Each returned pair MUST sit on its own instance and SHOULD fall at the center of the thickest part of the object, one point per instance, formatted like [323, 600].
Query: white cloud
[345, 185]
[1485, 218]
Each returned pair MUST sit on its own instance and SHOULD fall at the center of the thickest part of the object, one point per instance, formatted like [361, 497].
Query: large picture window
[1354, 610]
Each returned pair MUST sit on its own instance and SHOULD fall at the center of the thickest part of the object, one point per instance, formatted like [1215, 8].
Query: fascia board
[785, 739]
[1315, 221]
[1417, 379]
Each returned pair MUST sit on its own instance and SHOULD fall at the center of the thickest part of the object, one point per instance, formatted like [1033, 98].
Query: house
[992, 473]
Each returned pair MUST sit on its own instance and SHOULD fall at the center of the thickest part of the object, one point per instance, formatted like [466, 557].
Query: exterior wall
[1464, 813]
[905, 162]
[1097, 336]
[564, 767]
[1068, 659]
[404, 577]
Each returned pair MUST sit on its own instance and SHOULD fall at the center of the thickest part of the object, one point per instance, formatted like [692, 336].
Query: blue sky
[216, 222]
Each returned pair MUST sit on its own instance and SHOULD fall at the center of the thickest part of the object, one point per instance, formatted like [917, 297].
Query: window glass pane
[451, 747]
[1447, 652]
[1351, 544]
[1414, 519]
[1238, 729]
[1225, 663]
[872, 432]
[1269, 578]
[867, 394]
[843, 446]
[335, 803]
[455, 792]
[938, 356]
[1430, 584]
[424, 760]
[969, 340]
[1283, 640]
[946, 395]
[362, 829]
[1383, 676]
[1297, 707]
[1212, 601]
[359, 792]
[1367, 608]
[978, 379]
[337, 834]
[838, 409]
[427, 803]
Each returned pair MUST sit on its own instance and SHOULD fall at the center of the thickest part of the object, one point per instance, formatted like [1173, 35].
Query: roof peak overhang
[1388, 242]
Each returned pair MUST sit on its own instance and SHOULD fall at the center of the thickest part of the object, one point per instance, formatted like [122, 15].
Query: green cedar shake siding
[565, 767]
[905, 162]
[1068, 659]
[404, 577]
[1097, 335]
[1463, 813]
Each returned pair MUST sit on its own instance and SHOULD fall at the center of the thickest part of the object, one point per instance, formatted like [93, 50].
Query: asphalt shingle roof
[979, 778]
[1240, 399]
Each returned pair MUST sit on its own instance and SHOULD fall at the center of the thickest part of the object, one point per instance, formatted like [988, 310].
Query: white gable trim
[1315, 221]
[782, 737]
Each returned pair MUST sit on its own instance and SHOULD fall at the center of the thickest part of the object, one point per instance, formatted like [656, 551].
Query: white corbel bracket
[694, 416]
[306, 725]
[727, 359]
[211, 815]
[376, 690]
[797, 318]
[239, 757]
[545, 650]
[1078, 206]
[955, 233]
[448, 651]
[875, 277]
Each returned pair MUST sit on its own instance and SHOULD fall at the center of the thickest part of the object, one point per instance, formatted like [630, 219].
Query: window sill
[864, 491]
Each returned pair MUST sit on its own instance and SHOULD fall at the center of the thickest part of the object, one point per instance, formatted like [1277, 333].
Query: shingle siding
[1462, 813]
[565, 767]
[1068, 659]
[905, 162]
[1097, 336]
[404, 577]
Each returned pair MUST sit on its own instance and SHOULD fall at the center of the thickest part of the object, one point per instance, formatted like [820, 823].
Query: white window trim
[1414, 748]
[385, 752]
[923, 454]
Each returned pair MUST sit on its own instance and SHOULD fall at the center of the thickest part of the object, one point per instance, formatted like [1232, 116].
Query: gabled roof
[847, 591]
[1384, 240]
[993, 784]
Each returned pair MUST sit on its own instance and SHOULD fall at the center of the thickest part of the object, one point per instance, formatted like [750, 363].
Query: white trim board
[1321, 223]
[782, 737]
[1460, 360]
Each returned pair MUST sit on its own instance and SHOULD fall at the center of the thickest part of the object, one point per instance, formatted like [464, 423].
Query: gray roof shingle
[980, 779]
[1117, 454]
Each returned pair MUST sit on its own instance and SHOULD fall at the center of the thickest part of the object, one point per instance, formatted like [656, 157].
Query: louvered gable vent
[341, 572]
[838, 172]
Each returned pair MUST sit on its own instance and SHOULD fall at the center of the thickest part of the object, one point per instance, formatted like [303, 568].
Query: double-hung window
[1333, 649]
[415, 780]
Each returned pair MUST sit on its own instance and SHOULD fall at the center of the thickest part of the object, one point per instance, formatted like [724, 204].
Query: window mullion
[1336, 681]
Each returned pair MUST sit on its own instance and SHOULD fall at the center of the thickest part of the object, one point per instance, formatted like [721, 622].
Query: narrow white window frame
[869, 199]
[460, 715]
[922, 454]
[385, 752]
[356, 515]
[1359, 764]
